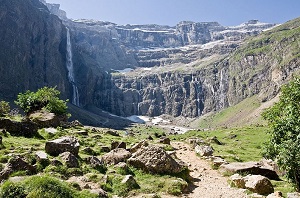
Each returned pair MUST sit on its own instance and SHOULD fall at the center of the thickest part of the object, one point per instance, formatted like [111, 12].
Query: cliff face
[32, 48]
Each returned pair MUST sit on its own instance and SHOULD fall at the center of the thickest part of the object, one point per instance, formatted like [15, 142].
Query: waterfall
[70, 67]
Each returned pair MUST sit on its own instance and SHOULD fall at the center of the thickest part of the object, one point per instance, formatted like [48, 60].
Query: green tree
[284, 122]
[45, 98]
[4, 108]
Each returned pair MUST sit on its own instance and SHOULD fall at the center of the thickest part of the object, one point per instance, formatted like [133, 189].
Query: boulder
[16, 164]
[155, 160]
[63, 144]
[254, 168]
[259, 184]
[104, 149]
[215, 140]
[24, 128]
[195, 141]
[218, 161]
[56, 162]
[203, 150]
[100, 192]
[69, 160]
[137, 146]
[238, 181]
[95, 162]
[130, 182]
[42, 157]
[276, 194]
[115, 156]
[45, 119]
[113, 133]
[293, 195]
[164, 140]
[116, 144]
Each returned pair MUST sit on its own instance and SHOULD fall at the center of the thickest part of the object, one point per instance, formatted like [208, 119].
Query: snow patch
[136, 119]
[126, 70]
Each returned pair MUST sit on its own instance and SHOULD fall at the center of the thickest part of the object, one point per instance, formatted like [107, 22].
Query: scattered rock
[69, 160]
[122, 165]
[259, 184]
[293, 195]
[130, 182]
[81, 133]
[42, 157]
[63, 144]
[88, 150]
[254, 168]
[204, 150]
[16, 164]
[238, 181]
[155, 160]
[164, 140]
[215, 140]
[104, 149]
[276, 194]
[195, 141]
[115, 156]
[25, 128]
[232, 136]
[100, 192]
[94, 162]
[150, 137]
[137, 146]
[56, 162]
[113, 133]
[116, 144]
[217, 161]
[50, 130]
[75, 123]
[45, 119]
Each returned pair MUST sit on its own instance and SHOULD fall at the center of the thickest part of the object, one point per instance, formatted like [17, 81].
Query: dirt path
[208, 183]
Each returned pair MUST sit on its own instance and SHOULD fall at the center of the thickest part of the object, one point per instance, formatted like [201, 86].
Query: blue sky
[170, 12]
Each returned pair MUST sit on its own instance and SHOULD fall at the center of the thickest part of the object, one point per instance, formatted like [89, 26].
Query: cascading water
[70, 67]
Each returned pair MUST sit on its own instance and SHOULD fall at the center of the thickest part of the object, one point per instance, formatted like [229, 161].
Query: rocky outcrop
[61, 145]
[24, 128]
[155, 160]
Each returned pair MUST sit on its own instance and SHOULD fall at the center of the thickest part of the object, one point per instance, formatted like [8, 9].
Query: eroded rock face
[155, 160]
[61, 145]
[254, 168]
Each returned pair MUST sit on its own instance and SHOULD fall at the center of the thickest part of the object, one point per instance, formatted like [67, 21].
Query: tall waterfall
[70, 67]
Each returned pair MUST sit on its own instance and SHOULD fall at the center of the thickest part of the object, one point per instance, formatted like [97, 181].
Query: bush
[45, 98]
[12, 190]
[4, 108]
[284, 121]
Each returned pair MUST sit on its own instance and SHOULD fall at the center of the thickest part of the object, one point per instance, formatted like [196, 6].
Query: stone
[50, 130]
[150, 137]
[69, 160]
[204, 150]
[45, 119]
[254, 168]
[164, 140]
[24, 128]
[76, 123]
[42, 157]
[137, 146]
[16, 164]
[115, 156]
[63, 144]
[218, 161]
[130, 182]
[215, 140]
[104, 149]
[238, 181]
[259, 184]
[88, 150]
[81, 133]
[95, 162]
[113, 133]
[276, 194]
[293, 195]
[56, 162]
[155, 160]
[100, 192]
[116, 144]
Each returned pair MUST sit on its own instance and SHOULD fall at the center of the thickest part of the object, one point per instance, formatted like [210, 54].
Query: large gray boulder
[254, 168]
[69, 160]
[61, 145]
[155, 160]
[204, 150]
[16, 164]
[293, 195]
[115, 156]
[259, 184]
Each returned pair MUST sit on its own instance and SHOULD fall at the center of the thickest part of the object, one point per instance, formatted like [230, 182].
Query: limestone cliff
[32, 48]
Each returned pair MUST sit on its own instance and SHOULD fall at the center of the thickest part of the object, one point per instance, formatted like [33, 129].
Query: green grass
[237, 115]
[246, 146]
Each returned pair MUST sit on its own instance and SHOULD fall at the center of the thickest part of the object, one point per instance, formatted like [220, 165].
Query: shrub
[4, 108]
[12, 190]
[284, 121]
[45, 98]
